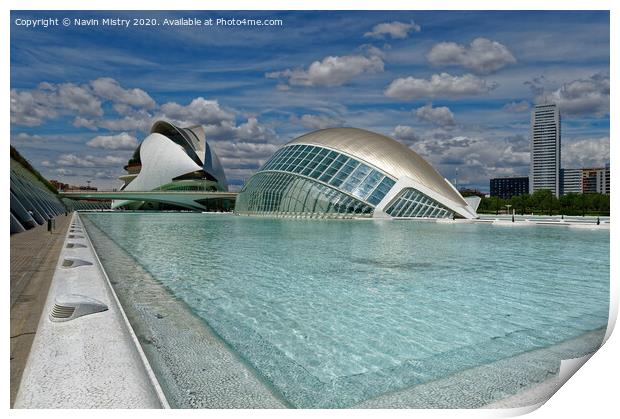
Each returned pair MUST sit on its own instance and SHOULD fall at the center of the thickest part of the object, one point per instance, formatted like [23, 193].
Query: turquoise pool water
[332, 313]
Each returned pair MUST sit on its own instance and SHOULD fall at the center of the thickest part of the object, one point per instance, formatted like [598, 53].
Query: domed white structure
[350, 172]
[172, 159]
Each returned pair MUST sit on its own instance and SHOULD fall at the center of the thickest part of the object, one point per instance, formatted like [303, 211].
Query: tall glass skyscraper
[545, 149]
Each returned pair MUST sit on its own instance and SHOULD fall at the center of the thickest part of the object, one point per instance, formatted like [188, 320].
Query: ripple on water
[332, 313]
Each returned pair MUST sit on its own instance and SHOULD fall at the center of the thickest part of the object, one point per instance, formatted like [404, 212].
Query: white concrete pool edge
[147, 366]
[93, 361]
[533, 398]
[513, 403]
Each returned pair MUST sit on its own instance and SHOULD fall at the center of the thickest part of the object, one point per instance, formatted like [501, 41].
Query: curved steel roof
[384, 153]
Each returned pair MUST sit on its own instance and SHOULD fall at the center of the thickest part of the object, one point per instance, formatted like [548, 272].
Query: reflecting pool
[331, 313]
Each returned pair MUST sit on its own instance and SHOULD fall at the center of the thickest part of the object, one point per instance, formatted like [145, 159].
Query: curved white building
[349, 172]
[172, 159]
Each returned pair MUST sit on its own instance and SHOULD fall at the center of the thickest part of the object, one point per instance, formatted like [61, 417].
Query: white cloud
[81, 122]
[249, 131]
[25, 137]
[478, 156]
[331, 71]
[48, 101]
[138, 120]
[29, 108]
[242, 159]
[441, 116]
[537, 84]
[517, 107]
[107, 160]
[240, 154]
[198, 111]
[315, 122]
[252, 131]
[590, 152]
[483, 56]
[122, 141]
[72, 160]
[219, 123]
[439, 85]
[105, 174]
[370, 50]
[396, 30]
[224, 130]
[123, 108]
[583, 96]
[110, 89]
[242, 149]
[63, 172]
[78, 99]
[406, 134]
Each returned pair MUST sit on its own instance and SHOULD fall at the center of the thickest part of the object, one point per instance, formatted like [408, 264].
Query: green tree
[520, 203]
[569, 203]
[582, 204]
[544, 202]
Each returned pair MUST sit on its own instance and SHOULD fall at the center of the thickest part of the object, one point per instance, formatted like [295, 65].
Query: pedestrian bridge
[195, 200]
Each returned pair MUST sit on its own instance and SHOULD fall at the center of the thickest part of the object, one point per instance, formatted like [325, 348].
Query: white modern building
[172, 159]
[350, 173]
[545, 149]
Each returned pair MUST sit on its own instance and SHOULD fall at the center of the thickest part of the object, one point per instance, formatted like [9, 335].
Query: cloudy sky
[456, 87]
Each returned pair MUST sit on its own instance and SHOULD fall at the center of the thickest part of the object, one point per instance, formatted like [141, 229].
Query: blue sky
[456, 87]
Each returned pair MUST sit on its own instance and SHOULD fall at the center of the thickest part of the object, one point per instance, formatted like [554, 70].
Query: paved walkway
[34, 255]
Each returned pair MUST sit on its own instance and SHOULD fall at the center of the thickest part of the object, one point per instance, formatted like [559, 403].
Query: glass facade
[276, 193]
[413, 203]
[315, 181]
[332, 168]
